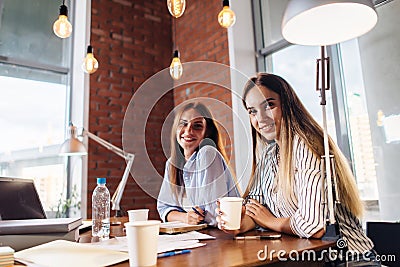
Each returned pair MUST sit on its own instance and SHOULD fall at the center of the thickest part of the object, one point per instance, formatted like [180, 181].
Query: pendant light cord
[175, 41]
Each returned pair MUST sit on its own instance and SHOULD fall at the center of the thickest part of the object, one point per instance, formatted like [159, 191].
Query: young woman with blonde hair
[287, 192]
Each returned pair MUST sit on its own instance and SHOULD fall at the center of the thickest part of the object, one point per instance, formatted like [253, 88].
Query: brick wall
[199, 37]
[132, 41]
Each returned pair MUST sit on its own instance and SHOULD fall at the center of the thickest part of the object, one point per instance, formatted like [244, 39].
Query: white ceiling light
[327, 22]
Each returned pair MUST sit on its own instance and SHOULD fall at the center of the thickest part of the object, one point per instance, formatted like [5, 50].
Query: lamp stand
[117, 196]
[332, 228]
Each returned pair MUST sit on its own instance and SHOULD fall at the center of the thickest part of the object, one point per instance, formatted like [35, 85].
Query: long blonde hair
[296, 120]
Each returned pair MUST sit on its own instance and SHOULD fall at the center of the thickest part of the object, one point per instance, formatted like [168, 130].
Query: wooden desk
[225, 251]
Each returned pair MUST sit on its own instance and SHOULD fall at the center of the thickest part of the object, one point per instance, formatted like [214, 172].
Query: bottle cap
[101, 180]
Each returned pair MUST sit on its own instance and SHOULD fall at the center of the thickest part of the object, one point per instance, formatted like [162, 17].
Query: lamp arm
[106, 144]
[116, 198]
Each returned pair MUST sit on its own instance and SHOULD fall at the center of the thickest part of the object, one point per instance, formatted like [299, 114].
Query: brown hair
[177, 159]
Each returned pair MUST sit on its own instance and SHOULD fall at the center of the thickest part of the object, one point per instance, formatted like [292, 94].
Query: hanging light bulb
[226, 17]
[176, 69]
[176, 7]
[90, 63]
[62, 27]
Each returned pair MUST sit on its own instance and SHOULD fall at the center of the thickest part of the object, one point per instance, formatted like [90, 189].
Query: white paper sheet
[65, 253]
[165, 242]
[187, 236]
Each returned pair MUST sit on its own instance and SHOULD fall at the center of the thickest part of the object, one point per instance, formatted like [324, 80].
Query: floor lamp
[73, 146]
[323, 23]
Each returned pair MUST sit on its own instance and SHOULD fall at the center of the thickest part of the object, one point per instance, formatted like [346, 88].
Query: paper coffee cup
[231, 208]
[142, 237]
[138, 215]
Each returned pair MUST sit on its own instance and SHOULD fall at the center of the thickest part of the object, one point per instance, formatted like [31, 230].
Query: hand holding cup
[229, 214]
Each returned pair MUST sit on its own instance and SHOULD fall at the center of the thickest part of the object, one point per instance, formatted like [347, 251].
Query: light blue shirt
[206, 178]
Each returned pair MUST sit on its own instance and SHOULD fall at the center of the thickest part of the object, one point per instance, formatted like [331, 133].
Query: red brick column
[132, 41]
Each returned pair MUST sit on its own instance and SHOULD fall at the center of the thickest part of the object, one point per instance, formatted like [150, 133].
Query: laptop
[19, 200]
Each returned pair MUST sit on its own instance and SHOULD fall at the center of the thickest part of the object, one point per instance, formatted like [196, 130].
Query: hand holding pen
[201, 213]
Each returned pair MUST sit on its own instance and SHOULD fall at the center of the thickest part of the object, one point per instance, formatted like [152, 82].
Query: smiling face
[264, 107]
[191, 131]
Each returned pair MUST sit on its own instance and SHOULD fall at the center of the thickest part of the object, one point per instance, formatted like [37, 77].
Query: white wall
[80, 93]
[243, 65]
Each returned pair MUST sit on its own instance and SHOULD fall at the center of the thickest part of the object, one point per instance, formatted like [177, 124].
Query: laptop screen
[19, 200]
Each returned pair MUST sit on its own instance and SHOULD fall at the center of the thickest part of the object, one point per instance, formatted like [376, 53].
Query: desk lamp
[73, 146]
[322, 23]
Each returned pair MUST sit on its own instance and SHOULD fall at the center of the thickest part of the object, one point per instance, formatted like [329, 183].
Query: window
[35, 95]
[33, 127]
[358, 121]
[297, 64]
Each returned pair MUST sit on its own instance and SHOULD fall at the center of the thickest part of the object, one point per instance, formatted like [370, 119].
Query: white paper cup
[138, 215]
[142, 237]
[231, 208]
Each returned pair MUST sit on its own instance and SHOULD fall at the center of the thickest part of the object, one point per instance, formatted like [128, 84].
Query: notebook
[31, 226]
[19, 200]
[180, 227]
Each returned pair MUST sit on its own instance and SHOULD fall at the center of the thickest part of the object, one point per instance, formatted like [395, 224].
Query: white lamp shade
[327, 22]
[72, 147]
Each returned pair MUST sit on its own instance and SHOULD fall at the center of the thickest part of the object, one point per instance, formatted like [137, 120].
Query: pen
[256, 237]
[197, 212]
[173, 253]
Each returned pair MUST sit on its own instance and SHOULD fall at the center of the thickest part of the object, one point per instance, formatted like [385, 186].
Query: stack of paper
[6, 256]
[22, 234]
[57, 225]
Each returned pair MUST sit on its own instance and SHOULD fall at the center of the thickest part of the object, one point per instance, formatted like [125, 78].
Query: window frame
[337, 89]
[77, 86]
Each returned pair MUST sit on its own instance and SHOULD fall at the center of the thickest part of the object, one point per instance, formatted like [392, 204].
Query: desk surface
[225, 251]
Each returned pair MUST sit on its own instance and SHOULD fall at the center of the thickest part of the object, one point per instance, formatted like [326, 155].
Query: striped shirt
[306, 205]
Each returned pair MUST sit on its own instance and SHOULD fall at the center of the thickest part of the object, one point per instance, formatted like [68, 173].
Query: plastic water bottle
[101, 210]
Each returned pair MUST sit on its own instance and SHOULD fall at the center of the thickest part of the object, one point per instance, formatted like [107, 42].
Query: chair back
[386, 238]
